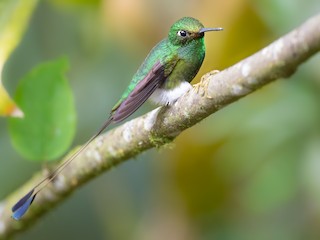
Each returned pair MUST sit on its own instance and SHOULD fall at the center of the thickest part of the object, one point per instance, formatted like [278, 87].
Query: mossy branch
[160, 126]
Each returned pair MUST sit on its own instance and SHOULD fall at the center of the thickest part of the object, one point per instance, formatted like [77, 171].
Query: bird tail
[22, 206]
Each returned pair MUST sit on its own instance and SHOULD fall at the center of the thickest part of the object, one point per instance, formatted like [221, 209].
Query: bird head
[186, 30]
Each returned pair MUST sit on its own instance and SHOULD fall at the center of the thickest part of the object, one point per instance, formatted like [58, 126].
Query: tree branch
[160, 126]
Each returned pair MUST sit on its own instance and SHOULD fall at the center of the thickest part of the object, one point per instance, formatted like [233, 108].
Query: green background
[250, 171]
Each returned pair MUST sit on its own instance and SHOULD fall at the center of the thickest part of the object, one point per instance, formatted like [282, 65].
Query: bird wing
[155, 78]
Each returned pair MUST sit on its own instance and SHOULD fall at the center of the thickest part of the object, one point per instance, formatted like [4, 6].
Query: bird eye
[182, 33]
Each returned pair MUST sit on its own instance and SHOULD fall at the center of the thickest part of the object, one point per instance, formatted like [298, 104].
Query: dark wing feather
[141, 93]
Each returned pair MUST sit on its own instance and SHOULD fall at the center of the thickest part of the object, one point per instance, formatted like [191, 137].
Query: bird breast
[163, 96]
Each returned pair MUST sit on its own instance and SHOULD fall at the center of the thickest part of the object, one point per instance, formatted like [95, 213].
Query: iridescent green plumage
[180, 55]
[163, 77]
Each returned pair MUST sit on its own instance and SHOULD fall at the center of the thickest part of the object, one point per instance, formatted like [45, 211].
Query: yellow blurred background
[250, 171]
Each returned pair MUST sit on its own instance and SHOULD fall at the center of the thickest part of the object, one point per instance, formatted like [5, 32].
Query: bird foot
[202, 87]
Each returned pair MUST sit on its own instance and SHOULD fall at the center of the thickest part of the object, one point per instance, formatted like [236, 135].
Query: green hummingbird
[163, 77]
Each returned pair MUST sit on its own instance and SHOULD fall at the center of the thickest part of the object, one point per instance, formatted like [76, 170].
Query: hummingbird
[163, 77]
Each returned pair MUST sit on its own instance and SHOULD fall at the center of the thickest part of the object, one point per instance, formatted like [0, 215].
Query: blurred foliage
[49, 115]
[14, 16]
[75, 3]
[249, 171]
[7, 105]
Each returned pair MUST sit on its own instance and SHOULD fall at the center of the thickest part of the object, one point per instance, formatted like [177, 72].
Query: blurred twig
[278, 60]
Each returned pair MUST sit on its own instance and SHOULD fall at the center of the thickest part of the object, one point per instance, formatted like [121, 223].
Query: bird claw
[202, 87]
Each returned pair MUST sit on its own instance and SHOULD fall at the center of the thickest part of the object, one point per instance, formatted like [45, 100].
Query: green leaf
[14, 18]
[46, 99]
[7, 105]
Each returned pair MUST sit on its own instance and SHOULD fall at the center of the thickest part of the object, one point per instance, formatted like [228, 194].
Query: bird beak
[203, 30]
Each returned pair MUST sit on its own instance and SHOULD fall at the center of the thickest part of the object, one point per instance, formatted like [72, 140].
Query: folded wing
[140, 93]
